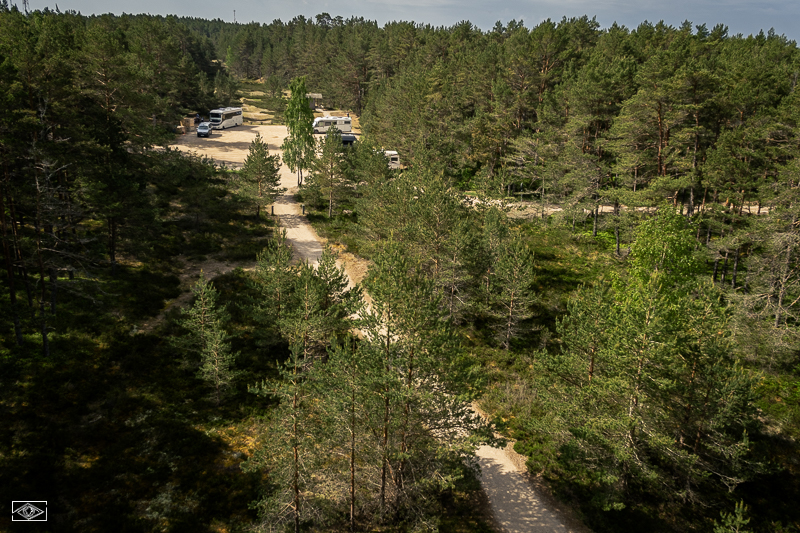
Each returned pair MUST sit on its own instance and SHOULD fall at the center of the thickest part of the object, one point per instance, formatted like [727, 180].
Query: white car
[204, 129]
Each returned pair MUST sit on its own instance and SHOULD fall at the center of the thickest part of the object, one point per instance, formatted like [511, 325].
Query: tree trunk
[28, 290]
[543, 192]
[782, 289]
[45, 342]
[112, 244]
[616, 224]
[353, 453]
[406, 416]
[43, 294]
[10, 271]
[735, 268]
[716, 268]
[724, 268]
[509, 324]
[384, 445]
[23, 271]
[594, 226]
[296, 455]
[53, 290]
[260, 197]
[385, 442]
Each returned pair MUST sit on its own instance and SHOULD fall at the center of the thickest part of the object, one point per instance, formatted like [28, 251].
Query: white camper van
[323, 124]
[393, 157]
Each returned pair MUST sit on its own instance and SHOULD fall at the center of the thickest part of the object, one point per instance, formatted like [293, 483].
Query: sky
[741, 16]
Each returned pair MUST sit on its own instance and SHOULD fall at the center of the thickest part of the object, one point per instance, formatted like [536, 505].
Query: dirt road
[516, 506]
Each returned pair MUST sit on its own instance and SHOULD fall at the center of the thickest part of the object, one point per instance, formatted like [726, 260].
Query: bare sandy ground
[516, 506]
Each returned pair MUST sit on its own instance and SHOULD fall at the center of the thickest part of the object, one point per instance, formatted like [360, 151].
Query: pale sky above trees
[741, 16]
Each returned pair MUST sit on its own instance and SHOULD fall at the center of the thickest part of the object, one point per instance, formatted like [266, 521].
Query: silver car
[204, 129]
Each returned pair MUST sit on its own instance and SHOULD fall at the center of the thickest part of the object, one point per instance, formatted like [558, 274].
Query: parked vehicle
[323, 124]
[393, 157]
[204, 129]
[227, 117]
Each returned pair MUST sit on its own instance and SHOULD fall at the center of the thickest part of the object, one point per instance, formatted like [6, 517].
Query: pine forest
[588, 253]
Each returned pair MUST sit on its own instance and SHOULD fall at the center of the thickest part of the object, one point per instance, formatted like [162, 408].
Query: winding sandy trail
[516, 506]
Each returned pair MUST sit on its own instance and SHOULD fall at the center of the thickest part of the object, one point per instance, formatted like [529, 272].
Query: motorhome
[393, 157]
[227, 117]
[323, 124]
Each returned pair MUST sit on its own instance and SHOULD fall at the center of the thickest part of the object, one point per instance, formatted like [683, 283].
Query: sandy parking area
[230, 146]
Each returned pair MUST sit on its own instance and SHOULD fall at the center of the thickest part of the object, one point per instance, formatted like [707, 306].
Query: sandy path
[516, 506]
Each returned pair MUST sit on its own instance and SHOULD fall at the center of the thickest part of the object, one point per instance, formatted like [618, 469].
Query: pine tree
[425, 382]
[292, 455]
[207, 338]
[273, 282]
[327, 180]
[511, 281]
[647, 381]
[733, 522]
[261, 169]
[345, 385]
[320, 306]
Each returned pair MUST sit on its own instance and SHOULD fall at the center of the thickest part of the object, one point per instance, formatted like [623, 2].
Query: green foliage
[733, 522]
[639, 372]
[594, 126]
[290, 454]
[510, 286]
[424, 380]
[359, 413]
[260, 171]
[326, 184]
[273, 281]
[207, 338]
[298, 147]
[664, 245]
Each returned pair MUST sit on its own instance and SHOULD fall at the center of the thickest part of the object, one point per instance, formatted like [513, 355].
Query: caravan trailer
[393, 157]
[323, 124]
